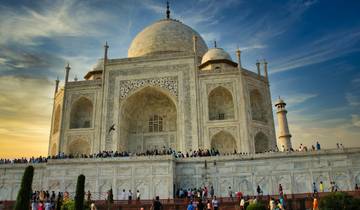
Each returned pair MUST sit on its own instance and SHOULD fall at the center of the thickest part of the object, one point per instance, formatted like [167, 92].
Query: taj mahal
[174, 91]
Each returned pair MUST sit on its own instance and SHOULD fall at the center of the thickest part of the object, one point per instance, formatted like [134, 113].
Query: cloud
[355, 120]
[58, 18]
[25, 114]
[298, 98]
[320, 50]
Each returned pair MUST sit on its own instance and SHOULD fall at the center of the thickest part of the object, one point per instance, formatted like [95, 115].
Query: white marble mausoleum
[174, 91]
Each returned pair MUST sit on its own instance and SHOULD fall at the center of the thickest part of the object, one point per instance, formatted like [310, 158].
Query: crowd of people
[157, 152]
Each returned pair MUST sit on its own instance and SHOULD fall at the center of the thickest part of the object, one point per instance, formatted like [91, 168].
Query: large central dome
[166, 36]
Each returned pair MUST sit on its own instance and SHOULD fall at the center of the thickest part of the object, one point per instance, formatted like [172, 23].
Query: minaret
[258, 68]
[56, 85]
[266, 70]
[284, 133]
[238, 55]
[67, 70]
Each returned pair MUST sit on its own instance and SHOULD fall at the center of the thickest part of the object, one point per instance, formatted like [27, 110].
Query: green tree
[256, 206]
[339, 200]
[24, 194]
[80, 193]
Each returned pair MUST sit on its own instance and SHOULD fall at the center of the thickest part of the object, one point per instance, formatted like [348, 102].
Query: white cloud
[320, 50]
[62, 18]
[355, 120]
[353, 100]
[298, 98]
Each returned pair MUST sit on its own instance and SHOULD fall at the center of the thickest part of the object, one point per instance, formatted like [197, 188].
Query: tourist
[259, 191]
[208, 205]
[356, 187]
[34, 205]
[41, 206]
[280, 190]
[332, 187]
[318, 146]
[190, 206]
[123, 195]
[342, 146]
[200, 205]
[212, 191]
[315, 204]
[48, 205]
[272, 204]
[215, 203]
[337, 146]
[130, 195]
[156, 204]
[88, 196]
[230, 193]
[242, 203]
[138, 195]
[321, 186]
[314, 189]
[92, 206]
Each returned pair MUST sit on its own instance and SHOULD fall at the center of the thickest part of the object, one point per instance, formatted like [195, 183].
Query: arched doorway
[224, 142]
[81, 113]
[261, 142]
[148, 121]
[220, 104]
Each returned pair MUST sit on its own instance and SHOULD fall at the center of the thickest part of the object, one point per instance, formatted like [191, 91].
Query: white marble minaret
[284, 133]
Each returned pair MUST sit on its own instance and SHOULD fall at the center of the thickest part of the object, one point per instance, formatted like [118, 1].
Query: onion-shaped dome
[166, 36]
[216, 55]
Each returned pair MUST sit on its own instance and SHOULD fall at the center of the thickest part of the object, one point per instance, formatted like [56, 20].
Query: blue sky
[312, 46]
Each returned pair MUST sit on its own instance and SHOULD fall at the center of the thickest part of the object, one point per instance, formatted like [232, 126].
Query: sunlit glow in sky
[312, 46]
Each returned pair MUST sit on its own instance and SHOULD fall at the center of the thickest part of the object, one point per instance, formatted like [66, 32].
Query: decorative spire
[106, 47]
[167, 10]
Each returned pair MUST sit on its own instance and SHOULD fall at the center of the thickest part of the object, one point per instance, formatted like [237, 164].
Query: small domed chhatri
[166, 36]
[215, 54]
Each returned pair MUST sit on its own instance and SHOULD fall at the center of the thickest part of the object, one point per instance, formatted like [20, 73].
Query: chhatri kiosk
[173, 91]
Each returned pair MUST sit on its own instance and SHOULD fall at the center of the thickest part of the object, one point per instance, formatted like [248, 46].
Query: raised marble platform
[157, 175]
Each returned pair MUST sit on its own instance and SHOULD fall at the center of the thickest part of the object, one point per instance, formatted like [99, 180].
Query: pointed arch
[261, 142]
[224, 142]
[56, 119]
[81, 113]
[257, 106]
[220, 104]
[148, 120]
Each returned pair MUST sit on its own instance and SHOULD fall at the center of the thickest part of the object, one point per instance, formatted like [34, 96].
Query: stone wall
[158, 175]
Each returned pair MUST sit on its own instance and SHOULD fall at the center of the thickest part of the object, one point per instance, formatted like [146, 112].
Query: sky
[312, 47]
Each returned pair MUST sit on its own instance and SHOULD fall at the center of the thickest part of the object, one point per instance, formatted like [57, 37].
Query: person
[258, 190]
[41, 206]
[200, 205]
[157, 204]
[318, 146]
[190, 206]
[34, 205]
[130, 195]
[272, 204]
[212, 191]
[337, 146]
[314, 189]
[242, 203]
[215, 203]
[92, 206]
[230, 193]
[138, 195]
[356, 187]
[321, 186]
[88, 195]
[315, 204]
[208, 205]
[332, 187]
[48, 205]
[280, 190]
